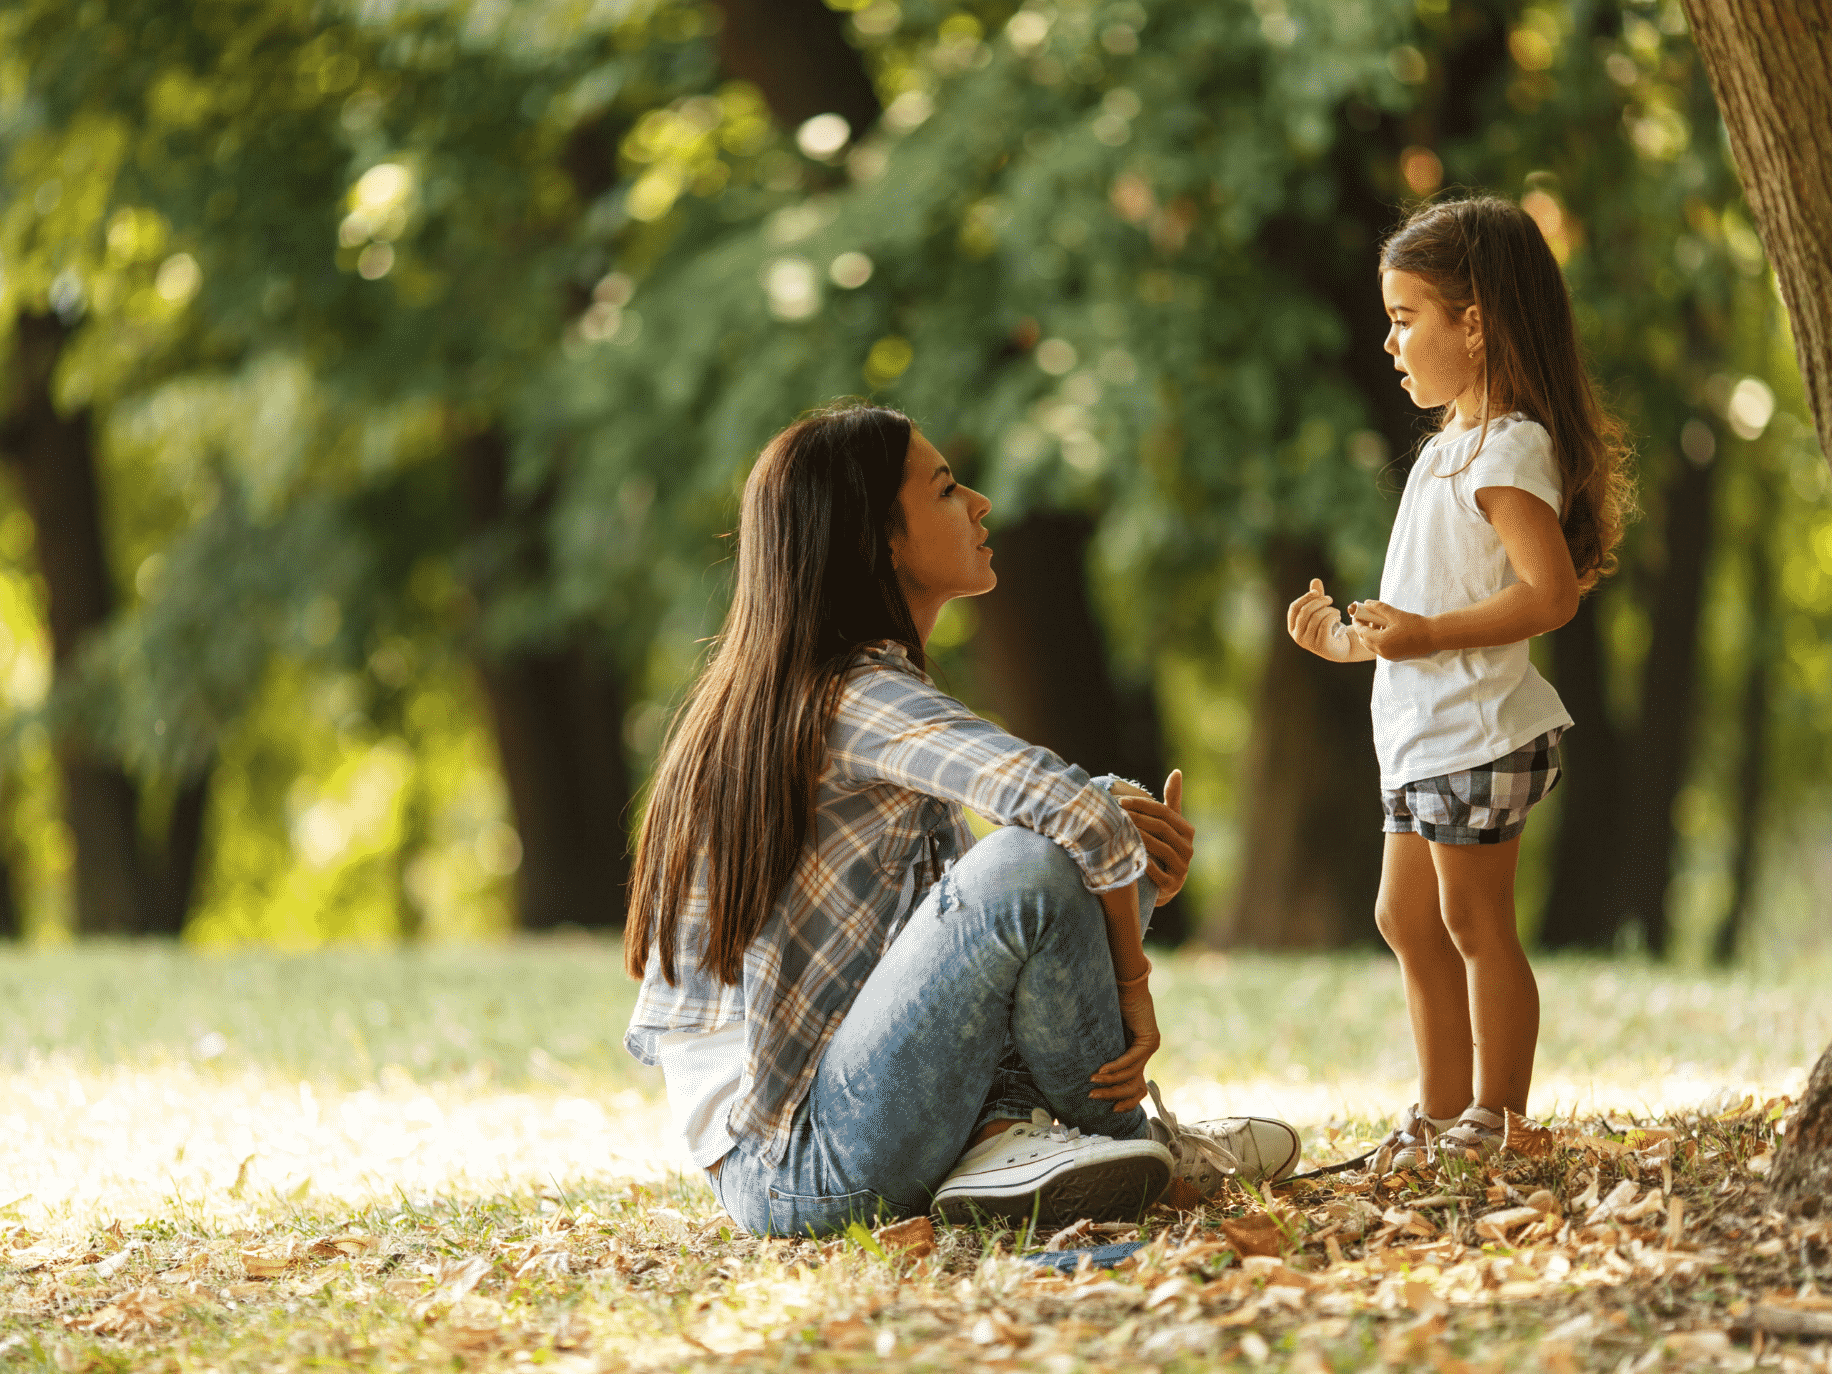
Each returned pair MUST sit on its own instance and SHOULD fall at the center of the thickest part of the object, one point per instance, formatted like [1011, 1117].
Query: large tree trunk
[1580, 911]
[1770, 62]
[52, 456]
[1311, 847]
[1669, 689]
[1043, 661]
[558, 714]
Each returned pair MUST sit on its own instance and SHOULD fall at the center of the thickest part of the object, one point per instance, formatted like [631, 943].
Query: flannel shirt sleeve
[893, 728]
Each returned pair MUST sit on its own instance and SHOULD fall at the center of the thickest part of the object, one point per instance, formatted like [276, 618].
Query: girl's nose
[1391, 344]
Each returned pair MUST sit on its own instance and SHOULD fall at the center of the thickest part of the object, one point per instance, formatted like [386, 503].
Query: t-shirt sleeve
[1521, 456]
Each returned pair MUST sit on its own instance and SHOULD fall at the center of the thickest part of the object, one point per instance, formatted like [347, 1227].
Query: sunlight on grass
[136, 1078]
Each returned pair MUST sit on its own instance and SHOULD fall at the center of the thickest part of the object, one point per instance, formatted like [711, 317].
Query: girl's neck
[1468, 410]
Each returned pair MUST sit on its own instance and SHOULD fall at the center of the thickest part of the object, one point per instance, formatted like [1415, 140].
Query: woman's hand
[1123, 1081]
[1315, 624]
[1391, 633]
[1170, 841]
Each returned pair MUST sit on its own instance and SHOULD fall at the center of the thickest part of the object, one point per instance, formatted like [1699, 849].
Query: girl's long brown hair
[1488, 252]
[735, 786]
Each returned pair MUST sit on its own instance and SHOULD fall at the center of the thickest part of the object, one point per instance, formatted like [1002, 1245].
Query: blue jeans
[997, 997]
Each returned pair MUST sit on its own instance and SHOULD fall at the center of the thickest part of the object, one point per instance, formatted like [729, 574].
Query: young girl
[1511, 512]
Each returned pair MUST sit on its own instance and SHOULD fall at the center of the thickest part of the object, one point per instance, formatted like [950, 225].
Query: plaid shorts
[1487, 804]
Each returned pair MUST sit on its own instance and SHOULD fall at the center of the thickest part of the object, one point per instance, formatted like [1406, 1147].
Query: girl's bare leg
[1438, 984]
[1476, 898]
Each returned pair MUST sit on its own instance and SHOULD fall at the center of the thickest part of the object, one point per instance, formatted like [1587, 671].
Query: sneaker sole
[1105, 1190]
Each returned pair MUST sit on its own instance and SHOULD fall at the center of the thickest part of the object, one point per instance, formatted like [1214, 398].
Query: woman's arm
[893, 728]
[1122, 1082]
[1545, 597]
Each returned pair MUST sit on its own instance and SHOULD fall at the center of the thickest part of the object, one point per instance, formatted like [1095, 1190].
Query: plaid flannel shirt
[902, 759]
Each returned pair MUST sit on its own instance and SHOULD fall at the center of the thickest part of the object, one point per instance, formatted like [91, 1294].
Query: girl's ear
[1472, 330]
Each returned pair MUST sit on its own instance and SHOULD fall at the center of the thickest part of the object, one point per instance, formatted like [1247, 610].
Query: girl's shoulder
[1508, 443]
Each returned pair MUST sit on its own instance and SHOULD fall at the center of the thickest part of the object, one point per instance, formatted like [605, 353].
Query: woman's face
[940, 553]
[1430, 348]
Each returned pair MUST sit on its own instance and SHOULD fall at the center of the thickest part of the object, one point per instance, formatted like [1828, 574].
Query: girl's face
[941, 550]
[1438, 355]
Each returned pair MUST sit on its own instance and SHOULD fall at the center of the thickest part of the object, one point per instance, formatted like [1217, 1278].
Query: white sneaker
[1250, 1148]
[1055, 1174]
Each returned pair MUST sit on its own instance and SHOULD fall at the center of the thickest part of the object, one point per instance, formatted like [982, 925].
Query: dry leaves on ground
[1601, 1244]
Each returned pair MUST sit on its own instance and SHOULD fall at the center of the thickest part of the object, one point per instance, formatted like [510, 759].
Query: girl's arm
[1545, 597]
[1317, 625]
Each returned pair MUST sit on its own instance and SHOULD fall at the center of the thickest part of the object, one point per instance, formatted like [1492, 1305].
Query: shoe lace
[1194, 1138]
[1043, 1125]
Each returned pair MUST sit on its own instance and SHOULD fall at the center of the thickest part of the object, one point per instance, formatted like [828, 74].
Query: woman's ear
[1472, 330]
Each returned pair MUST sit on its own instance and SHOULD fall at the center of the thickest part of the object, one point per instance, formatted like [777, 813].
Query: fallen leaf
[265, 1264]
[913, 1238]
[1254, 1234]
[1497, 1224]
[1181, 1196]
[136, 1311]
[458, 1277]
[849, 1333]
[1408, 1222]
[1522, 1137]
[1423, 1299]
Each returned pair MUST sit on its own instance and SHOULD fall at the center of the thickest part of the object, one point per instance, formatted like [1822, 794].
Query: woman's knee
[1020, 860]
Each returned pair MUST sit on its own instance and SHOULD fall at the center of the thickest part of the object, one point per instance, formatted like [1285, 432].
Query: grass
[442, 1158]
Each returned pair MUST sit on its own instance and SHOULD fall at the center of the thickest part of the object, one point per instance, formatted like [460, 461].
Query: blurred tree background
[379, 376]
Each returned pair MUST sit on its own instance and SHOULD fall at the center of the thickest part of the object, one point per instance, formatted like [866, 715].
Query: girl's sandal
[1407, 1145]
[1477, 1134]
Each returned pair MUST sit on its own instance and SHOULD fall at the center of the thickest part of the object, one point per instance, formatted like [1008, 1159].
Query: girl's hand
[1391, 633]
[1123, 1081]
[1315, 623]
[1170, 841]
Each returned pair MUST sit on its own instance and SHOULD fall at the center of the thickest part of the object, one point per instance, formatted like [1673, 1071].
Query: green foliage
[313, 252]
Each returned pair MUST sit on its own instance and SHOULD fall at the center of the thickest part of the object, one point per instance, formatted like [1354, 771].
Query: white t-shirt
[703, 1071]
[1462, 707]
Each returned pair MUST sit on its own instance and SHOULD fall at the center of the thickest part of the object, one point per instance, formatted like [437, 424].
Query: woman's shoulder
[884, 665]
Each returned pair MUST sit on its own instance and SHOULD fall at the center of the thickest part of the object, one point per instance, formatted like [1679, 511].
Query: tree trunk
[1043, 660]
[1580, 912]
[796, 53]
[11, 925]
[1802, 1176]
[1669, 689]
[1312, 843]
[53, 459]
[181, 859]
[1752, 768]
[1769, 61]
[558, 715]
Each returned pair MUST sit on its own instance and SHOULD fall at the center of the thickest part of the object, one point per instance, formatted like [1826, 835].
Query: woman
[857, 1010]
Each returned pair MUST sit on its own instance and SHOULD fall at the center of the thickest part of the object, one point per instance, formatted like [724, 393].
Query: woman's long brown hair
[735, 786]
[1488, 252]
